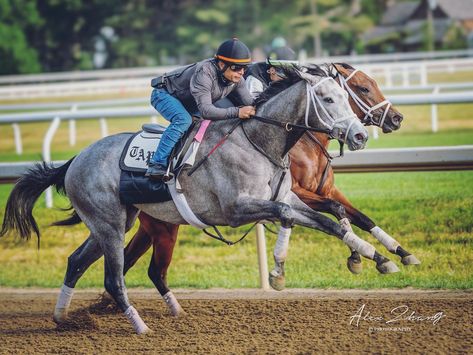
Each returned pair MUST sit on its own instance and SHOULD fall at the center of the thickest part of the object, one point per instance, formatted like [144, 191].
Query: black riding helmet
[282, 57]
[232, 52]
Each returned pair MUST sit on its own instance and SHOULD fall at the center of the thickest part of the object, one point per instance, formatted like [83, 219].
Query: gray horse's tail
[73, 219]
[19, 208]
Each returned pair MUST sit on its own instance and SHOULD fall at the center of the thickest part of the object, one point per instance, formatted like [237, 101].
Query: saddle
[138, 152]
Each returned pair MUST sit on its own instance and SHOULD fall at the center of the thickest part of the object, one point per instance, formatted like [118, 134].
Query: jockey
[260, 75]
[193, 89]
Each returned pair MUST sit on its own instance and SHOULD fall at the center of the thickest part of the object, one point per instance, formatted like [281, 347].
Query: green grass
[430, 214]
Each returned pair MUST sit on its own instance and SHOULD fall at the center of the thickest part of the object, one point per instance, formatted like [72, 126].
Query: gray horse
[244, 181]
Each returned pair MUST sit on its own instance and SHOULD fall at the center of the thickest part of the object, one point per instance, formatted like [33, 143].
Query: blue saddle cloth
[136, 188]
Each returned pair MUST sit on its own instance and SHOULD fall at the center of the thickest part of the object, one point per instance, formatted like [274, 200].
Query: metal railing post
[17, 135]
[103, 127]
[375, 132]
[47, 155]
[434, 112]
[262, 258]
[72, 128]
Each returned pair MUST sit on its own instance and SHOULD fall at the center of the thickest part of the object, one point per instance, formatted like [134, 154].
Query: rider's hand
[246, 111]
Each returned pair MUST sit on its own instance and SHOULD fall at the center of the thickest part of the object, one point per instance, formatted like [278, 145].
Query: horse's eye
[364, 90]
[328, 100]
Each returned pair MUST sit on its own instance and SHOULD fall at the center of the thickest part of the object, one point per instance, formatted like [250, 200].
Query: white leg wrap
[345, 223]
[65, 297]
[132, 314]
[282, 244]
[172, 304]
[362, 247]
[390, 243]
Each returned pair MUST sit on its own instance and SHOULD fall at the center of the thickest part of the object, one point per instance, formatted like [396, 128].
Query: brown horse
[313, 182]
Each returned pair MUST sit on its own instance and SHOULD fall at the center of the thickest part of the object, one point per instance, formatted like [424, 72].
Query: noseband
[365, 108]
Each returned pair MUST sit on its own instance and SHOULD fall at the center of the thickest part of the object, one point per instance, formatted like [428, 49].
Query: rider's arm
[241, 90]
[201, 85]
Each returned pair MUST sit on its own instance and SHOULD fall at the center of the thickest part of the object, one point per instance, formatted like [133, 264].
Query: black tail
[19, 208]
[73, 219]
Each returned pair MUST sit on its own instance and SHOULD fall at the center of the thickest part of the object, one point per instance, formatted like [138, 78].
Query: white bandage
[390, 243]
[345, 223]
[65, 297]
[362, 247]
[132, 314]
[282, 244]
[172, 303]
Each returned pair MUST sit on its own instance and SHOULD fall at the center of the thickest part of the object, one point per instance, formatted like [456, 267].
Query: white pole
[17, 135]
[375, 132]
[388, 76]
[72, 133]
[434, 112]
[72, 128]
[47, 154]
[103, 127]
[262, 258]
[423, 74]
[405, 76]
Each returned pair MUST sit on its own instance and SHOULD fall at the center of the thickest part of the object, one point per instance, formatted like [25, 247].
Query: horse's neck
[288, 106]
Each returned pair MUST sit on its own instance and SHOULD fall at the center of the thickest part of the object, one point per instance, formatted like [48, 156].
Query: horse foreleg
[77, 263]
[277, 278]
[305, 216]
[364, 222]
[336, 209]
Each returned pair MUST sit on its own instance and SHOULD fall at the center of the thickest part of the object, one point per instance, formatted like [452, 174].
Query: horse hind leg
[115, 282]
[77, 263]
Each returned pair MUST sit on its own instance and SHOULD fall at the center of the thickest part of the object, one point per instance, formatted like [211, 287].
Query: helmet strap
[220, 72]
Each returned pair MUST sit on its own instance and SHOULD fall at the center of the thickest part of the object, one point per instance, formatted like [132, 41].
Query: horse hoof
[387, 268]
[278, 282]
[178, 313]
[144, 330]
[60, 315]
[354, 266]
[410, 260]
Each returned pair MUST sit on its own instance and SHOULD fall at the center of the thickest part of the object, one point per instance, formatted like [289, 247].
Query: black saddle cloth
[136, 188]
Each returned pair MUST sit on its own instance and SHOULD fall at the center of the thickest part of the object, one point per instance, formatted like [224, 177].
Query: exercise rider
[194, 89]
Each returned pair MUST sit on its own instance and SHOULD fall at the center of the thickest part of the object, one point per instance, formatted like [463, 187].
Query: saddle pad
[138, 151]
[136, 188]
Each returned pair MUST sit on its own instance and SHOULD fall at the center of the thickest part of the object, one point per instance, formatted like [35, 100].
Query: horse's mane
[292, 77]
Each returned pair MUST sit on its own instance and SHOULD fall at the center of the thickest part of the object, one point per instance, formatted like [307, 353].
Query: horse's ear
[304, 76]
[341, 69]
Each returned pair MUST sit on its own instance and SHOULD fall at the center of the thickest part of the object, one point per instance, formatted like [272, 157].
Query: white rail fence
[130, 81]
[130, 111]
[150, 71]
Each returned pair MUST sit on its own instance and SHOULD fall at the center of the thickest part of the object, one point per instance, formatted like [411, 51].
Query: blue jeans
[180, 120]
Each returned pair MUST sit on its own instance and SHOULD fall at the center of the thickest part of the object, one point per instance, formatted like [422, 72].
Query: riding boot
[157, 172]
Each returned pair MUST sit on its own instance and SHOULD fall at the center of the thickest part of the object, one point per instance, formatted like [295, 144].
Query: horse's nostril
[360, 137]
[397, 119]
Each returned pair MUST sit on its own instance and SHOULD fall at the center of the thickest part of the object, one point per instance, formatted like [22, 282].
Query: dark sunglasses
[237, 67]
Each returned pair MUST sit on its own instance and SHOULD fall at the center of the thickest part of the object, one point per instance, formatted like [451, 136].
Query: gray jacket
[198, 86]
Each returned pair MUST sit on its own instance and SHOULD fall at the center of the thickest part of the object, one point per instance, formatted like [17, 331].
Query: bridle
[332, 123]
[363, 106]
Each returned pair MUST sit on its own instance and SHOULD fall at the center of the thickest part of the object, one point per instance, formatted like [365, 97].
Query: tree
[17, 21]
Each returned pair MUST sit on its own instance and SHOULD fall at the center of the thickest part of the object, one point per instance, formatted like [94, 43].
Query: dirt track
[244, 321]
